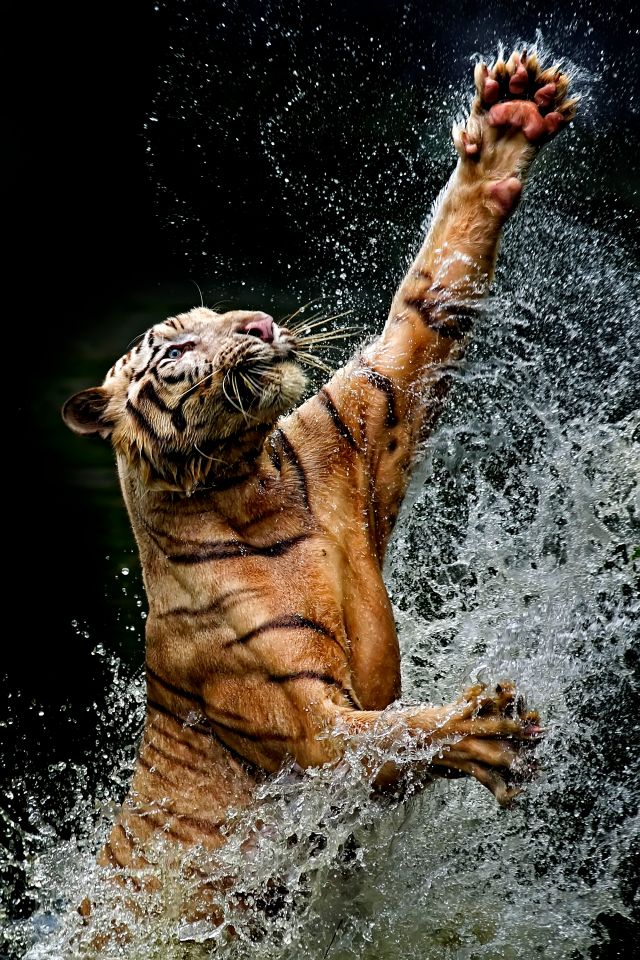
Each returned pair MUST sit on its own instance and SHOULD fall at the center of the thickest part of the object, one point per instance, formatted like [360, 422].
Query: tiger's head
[194, 399]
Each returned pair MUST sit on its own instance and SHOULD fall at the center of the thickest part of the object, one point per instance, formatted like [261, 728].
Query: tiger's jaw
[211, 436]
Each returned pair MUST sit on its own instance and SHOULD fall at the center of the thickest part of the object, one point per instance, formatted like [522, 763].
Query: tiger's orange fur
[262, 536]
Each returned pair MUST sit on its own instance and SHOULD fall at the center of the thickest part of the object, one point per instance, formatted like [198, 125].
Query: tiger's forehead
[172, 330]
[200, 318]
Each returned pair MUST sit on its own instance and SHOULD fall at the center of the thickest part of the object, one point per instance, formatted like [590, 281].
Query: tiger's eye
[174, 353]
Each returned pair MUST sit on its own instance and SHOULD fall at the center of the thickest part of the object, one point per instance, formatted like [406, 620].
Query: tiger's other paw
[498, 736]
[500, 711]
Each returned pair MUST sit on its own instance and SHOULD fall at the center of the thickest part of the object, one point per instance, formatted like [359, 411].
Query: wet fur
[270, 634]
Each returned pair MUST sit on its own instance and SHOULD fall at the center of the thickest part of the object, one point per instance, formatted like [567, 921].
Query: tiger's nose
[260, 325]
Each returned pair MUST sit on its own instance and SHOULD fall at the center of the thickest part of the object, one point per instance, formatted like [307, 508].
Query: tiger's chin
[250, 399]
[283, 393]
[240, 420]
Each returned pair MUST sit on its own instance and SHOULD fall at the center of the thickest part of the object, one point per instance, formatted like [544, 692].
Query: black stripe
[305, 675]
[201, 728]
[249, 766]
[274, 456]
[201, 424]
[312, 675]
[178, 418]
[425, 274]
[184, 742]
[231, 438]
[456, 323]
[127, 836]
[384, 384]
[140, 374]
[173, 758]
[232, 549]
[142, 422]
[254, 737]
[178, 691]
[229, 714]
[157, 534]
[160, 822]
[171, 378]
[325, 398]
[465, 315]
[216, 606]
[286, 622]
[111, 854]
[148, 392]
[226, 483]
[425, 308]
[211, 448]
[152, 769]
[291, 455]
[211, 827]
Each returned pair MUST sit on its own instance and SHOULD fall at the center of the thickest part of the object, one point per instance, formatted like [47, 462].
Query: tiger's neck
[234, 510]
[215, 464]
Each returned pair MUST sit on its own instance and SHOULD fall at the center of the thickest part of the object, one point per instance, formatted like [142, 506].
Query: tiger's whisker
[206, 456]
[313, 346]
[317, 321]
[331, 335]
[313, 321]
[312, 361]
[136, 340]
[199, 291]
[264, 376]
[235, 405]
[328, 335]
[290, 316]
[236, 392]
[336, 316]
[254, 387]
[245, 380]
[236, 389]
[194, 385]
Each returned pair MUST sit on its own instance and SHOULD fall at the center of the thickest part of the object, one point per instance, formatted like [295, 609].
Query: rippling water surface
[516, 555]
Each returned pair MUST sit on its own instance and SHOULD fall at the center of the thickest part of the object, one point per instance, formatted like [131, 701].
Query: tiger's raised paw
[518, 107]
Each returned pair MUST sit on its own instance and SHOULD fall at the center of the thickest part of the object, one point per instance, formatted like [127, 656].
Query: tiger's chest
[236, 595]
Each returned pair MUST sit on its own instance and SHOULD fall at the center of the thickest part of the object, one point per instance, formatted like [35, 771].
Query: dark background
[92, 242]
[88, 231]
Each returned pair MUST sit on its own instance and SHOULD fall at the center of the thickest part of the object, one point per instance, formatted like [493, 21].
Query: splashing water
[516, 555]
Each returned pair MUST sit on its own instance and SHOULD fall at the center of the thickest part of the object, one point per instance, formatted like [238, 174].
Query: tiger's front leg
[486, 734]
[381, 405]
[390, 396]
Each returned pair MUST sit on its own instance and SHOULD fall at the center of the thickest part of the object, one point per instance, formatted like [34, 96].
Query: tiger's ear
[84, 412]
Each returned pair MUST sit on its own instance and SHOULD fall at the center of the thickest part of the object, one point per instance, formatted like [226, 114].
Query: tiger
[262, 518]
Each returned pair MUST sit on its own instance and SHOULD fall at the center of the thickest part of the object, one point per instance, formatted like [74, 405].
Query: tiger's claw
[516, 96]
